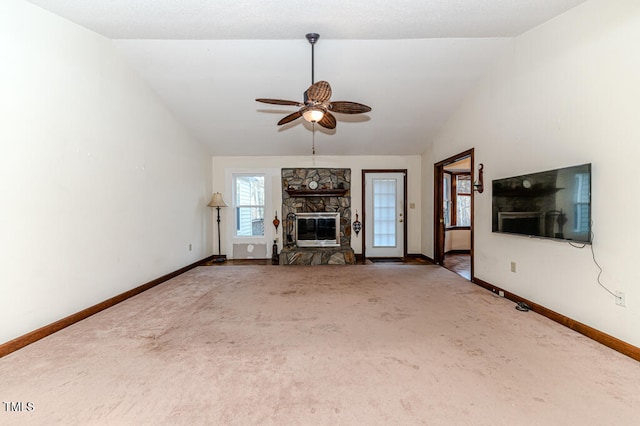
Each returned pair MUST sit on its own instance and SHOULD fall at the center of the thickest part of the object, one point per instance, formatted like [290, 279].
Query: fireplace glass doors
[317, 229]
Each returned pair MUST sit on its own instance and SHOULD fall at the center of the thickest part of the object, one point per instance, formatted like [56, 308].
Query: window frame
[447, 178]
[453, 194]
[236, 206]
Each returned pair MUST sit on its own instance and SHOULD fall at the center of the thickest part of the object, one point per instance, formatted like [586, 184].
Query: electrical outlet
[513, 266]
[500, 293]
[621, 299]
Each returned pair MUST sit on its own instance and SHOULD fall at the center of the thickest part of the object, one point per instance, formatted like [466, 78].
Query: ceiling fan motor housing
[313, 37]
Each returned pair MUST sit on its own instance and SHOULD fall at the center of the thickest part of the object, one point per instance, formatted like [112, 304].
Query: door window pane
[384, 212]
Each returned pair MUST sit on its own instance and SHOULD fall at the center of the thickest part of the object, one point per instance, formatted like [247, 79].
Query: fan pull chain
[313, 139]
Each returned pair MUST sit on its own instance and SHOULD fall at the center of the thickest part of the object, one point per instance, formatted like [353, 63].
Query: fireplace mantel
[316, 192]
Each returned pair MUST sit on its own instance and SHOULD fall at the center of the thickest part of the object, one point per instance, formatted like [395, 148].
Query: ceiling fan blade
[318, 92]
[279, 102]
[289, 118]
[346, 107]
[328, 121]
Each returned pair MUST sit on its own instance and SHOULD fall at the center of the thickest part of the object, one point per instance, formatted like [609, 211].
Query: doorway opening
[453, 215]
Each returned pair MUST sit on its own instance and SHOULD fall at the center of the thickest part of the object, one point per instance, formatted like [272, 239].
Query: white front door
[384, 221]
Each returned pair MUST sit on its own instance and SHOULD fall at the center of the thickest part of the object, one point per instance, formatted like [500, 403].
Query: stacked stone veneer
[327, 179]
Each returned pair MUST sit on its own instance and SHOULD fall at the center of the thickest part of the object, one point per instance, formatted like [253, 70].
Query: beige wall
[457, 239]
[102, 190]
[224, 166]
[567, 94]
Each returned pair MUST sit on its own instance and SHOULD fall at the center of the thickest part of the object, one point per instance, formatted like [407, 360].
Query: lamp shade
[217, 201]
[313, 115]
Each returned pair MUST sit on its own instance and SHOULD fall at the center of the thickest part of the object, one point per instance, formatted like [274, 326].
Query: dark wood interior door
[438, 215]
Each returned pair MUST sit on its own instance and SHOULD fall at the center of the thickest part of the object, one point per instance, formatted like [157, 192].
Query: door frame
[438, 213]
[364, 204]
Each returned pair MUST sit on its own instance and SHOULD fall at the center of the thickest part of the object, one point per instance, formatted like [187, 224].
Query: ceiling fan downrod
[312, 37]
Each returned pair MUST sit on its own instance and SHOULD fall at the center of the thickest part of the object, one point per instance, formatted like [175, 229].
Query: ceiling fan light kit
[317, 107]
[313, 115]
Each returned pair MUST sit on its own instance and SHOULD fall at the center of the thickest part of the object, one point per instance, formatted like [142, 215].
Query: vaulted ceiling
[411, 61]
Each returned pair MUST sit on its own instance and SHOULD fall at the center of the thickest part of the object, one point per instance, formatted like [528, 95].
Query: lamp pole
[217, 201]
[219, 251]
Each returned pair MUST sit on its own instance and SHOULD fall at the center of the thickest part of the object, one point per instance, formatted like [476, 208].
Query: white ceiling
[411, 61]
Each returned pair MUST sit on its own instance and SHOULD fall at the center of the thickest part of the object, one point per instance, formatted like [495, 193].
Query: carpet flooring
[379, 344]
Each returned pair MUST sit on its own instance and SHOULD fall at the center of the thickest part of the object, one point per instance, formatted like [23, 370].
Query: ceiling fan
[317, 106]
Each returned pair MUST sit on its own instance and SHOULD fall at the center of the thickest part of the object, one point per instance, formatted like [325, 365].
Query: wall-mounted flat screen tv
[552, 204]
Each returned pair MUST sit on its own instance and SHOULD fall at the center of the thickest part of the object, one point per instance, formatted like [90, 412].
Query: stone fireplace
[308, 194]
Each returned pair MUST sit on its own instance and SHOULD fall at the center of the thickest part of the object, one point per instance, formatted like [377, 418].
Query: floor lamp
[217, 201]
